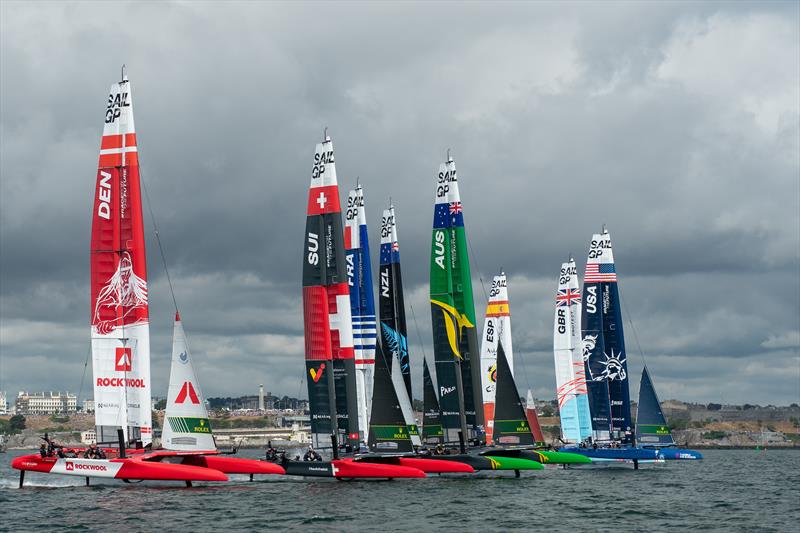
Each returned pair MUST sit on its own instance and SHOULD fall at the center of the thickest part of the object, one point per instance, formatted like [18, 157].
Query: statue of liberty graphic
[123, 290]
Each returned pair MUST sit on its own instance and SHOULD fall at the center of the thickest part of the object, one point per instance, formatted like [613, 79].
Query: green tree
[16, 423]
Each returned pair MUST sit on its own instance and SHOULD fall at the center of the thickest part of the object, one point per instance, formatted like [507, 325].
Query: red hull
[347, 468]
[436, 466]
[130, 468]
[233, 465]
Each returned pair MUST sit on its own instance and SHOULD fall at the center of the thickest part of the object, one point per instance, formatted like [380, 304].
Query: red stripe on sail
[316, 323]
[323, 200]
[115, 160]
[115, 141]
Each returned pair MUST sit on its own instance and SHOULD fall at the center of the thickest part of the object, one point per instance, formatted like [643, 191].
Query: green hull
[513, 463]
[562, 458]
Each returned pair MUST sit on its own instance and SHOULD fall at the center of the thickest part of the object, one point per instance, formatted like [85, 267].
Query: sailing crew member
[311, 455]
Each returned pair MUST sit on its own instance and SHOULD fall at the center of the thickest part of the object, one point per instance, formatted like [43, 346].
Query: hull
[131, 468]
[541, 456]
[429, 465]
[233, 465]
[349, 469]
[678, 454]
[625, 455]
[482, 463]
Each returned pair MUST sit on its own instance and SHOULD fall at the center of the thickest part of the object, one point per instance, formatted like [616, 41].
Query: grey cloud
[561, 117]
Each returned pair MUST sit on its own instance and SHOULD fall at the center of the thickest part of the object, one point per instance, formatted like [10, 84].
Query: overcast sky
[675, 124]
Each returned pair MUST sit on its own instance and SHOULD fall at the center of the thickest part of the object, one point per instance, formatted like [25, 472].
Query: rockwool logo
[70, 468]
[123, 360]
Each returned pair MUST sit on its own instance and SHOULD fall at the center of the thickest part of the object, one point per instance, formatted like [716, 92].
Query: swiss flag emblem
[187, 390]
[123, 362]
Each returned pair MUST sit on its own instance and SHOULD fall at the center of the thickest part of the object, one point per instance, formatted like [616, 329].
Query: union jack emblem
[395, 247]
[565, 297]
[455, 208]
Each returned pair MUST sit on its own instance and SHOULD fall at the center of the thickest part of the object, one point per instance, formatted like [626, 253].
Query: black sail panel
[432, 432]
[510, 423]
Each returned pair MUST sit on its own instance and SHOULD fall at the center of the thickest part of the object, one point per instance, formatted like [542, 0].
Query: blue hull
[679, 454]
[615, 454]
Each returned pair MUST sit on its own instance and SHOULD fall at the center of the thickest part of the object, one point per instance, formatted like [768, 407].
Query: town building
[3, 403]
[89, 436]
[88, 406]
[46, 403]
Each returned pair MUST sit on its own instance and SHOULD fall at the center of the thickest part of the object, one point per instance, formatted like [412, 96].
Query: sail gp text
[134, 383]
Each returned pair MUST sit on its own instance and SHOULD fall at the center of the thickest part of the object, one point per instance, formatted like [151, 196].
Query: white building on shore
[46, 403]
[3, 403]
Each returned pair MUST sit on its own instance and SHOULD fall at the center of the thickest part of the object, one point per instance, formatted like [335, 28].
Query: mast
[119, 302]
[571, 391]
[362, 303]
[330, 356]
[496, 327]
[186, 423]
[394, 337]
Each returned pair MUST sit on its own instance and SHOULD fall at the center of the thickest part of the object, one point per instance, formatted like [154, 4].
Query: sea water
[738, 490]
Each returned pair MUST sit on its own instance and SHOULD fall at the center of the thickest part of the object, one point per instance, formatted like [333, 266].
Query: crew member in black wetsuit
[312, 455]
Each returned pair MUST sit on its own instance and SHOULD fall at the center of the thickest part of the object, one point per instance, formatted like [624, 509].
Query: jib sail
[388, 430]
[651, 425]
[119, 301]
[510, 423]
[330, 357]
[186, 423]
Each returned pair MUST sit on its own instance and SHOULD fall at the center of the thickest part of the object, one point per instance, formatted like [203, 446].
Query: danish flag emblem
[187, 390]
[123, 361]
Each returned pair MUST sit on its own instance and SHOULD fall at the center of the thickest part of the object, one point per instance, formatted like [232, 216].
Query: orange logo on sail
[187, 390]
[316, 374]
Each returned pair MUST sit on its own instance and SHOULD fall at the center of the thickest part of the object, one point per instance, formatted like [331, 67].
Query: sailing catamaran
[455, 344]
[362, 303]
[571, 393]
[606, 366]
[330, 356]
[119, 316]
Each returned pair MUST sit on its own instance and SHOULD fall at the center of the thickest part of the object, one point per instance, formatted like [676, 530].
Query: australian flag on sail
[565, 297]
[441, 216]
[600, 272]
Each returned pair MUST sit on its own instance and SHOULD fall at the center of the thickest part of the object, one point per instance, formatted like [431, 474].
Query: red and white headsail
[119, 310]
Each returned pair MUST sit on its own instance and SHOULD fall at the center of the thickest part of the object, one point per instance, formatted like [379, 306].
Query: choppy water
[728, 491]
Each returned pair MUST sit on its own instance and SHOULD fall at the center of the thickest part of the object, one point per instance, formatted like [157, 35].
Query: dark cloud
[662, 121]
